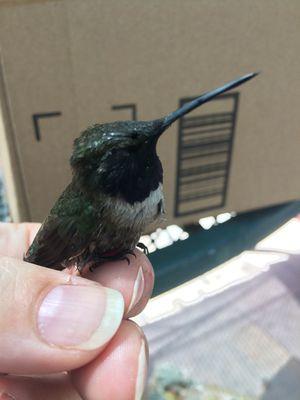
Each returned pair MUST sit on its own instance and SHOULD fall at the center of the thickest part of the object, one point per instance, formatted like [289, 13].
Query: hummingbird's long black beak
[204, 98]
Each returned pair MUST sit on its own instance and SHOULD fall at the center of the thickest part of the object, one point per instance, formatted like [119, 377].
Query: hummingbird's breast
[125, 222]
[140, 213]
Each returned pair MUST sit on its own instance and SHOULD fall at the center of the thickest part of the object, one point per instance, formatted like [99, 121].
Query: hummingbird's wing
[66, 232]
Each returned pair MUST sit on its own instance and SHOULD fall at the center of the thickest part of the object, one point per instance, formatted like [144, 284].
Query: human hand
[51, 322]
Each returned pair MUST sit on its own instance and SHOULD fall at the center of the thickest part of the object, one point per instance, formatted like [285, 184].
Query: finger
[46, 388]
[135, 281]
[16, 238]
[120, 371]
[51, 322]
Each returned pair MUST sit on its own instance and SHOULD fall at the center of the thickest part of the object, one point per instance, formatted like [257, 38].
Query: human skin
[67, 337]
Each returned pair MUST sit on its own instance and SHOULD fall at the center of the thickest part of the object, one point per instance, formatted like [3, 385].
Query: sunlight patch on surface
[164, 237]
[285, 239]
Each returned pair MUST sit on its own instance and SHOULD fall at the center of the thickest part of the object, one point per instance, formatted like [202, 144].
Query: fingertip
[120, 371]
[135, 281]
[51, 322]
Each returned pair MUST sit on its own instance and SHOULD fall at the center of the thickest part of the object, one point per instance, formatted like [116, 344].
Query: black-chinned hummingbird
[115, 192]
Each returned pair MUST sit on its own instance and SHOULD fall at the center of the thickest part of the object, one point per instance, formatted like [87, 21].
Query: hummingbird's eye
[134, 135]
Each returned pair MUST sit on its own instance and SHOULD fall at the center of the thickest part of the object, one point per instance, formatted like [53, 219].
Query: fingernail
[138, 289]
[142, 372]
[82, 317]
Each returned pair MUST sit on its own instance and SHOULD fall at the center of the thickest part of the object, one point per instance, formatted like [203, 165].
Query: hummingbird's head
[120, 158]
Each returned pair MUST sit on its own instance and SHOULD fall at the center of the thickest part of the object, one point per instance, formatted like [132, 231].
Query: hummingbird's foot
[74, 267]
[98, 259]
[131, 252]
[92, 268]
[74, 270]
[125, 258]
[124, 255]
[143, 247]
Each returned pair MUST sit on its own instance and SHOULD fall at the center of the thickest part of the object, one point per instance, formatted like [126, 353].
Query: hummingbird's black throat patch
[132, 173]
[129, 173]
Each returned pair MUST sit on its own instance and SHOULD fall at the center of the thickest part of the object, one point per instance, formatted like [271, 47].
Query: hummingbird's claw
[131, 252]
[98, 259]
[91, 268]
[143, 247]
[126, 258]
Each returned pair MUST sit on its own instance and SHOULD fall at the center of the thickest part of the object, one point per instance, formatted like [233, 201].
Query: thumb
[50, 321]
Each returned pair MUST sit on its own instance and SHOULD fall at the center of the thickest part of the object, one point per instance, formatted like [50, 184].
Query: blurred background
[224, 321]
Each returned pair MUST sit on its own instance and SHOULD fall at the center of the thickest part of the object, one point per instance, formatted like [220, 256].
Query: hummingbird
[115, 193]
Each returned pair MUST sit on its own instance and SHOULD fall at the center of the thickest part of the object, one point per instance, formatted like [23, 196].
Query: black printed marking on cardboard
[36, 117]
[204, 151]
[130, 106]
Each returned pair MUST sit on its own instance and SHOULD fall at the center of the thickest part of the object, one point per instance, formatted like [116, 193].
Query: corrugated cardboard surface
[77, 60]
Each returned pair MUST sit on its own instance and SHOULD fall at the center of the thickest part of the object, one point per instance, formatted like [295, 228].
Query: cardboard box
[68, 64]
